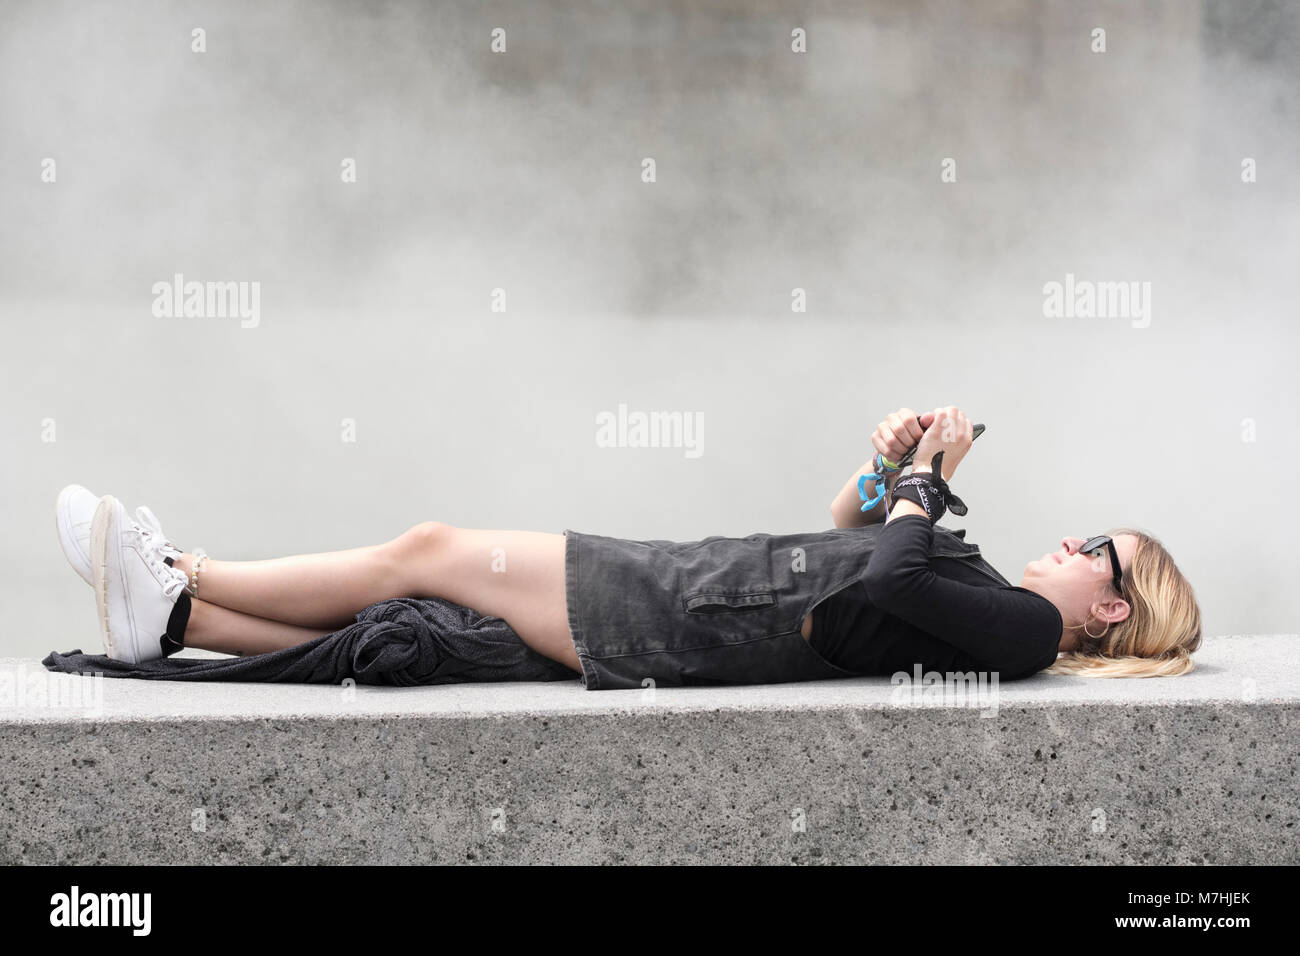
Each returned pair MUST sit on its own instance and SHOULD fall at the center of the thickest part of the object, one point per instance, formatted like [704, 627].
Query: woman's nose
[1071, 545]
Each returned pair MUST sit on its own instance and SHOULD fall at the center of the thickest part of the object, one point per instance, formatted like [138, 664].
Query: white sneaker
[148, 523]
[135, 590]
[73, 513]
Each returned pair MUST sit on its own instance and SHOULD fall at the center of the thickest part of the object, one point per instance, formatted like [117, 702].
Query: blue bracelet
[879, 478]
[869, 503]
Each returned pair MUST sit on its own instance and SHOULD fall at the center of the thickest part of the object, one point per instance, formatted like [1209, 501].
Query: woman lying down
[886, 590]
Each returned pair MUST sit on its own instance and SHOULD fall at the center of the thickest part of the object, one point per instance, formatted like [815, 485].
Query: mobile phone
[907, 459]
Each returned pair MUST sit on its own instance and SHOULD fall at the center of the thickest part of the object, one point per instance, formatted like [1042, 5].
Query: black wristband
[920, 490]
[930, 491]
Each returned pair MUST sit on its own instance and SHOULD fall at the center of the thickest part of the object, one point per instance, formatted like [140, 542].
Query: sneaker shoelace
[173, 579]
[153, 544]
[149, 525]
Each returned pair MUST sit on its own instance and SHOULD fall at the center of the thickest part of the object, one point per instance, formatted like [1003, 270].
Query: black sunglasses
[1093, 545]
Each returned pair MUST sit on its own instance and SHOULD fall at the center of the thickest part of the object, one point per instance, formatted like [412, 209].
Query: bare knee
[421, 541]
[412, 557]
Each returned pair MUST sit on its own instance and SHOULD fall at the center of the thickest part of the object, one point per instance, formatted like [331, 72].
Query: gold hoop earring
[1095, 637]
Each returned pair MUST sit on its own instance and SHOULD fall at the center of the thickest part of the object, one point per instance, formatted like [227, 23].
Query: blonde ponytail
[1162, 630]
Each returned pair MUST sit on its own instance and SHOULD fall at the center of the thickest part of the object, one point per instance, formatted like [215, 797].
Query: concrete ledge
[1195, 769]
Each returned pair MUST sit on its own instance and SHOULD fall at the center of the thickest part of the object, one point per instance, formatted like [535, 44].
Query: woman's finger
[910, 426]
[902, 434]
[898, 447]
[890, 448]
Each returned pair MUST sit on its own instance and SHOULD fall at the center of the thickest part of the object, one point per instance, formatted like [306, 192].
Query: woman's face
[1081, 585]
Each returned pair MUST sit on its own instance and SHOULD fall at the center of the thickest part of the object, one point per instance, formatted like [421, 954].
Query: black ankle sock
[174, 639]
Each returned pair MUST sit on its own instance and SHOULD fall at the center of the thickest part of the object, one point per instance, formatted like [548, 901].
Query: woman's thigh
[514, 575]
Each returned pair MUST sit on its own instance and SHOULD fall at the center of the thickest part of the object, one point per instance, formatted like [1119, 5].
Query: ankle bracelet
[200, 558]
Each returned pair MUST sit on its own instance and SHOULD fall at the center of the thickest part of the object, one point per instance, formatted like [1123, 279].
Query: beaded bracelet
[200, 557]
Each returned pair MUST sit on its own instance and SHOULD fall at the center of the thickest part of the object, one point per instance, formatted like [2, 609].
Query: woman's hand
[899, 433]
[950, 432]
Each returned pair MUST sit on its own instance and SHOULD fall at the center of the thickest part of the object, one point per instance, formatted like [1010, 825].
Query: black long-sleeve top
[909, 608]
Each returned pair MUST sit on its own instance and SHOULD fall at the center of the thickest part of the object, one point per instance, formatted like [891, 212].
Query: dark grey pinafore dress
[715, 611]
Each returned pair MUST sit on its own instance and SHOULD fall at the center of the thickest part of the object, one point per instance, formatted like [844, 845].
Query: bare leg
[214, 628]
[309, 590]
[515, 575]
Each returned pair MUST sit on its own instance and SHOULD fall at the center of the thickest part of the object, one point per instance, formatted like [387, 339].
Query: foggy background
[521, 171]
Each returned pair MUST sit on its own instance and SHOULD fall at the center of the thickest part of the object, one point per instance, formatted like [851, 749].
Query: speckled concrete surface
[1197, 769]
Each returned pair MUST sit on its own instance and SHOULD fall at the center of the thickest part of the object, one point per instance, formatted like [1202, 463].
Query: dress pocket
[717, 602]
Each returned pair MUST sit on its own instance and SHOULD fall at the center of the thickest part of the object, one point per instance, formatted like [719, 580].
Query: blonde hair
[1159, 635]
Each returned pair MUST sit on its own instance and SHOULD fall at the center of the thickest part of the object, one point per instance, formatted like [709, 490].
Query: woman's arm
[1011, 629]
[894, 437]
[950, 432]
